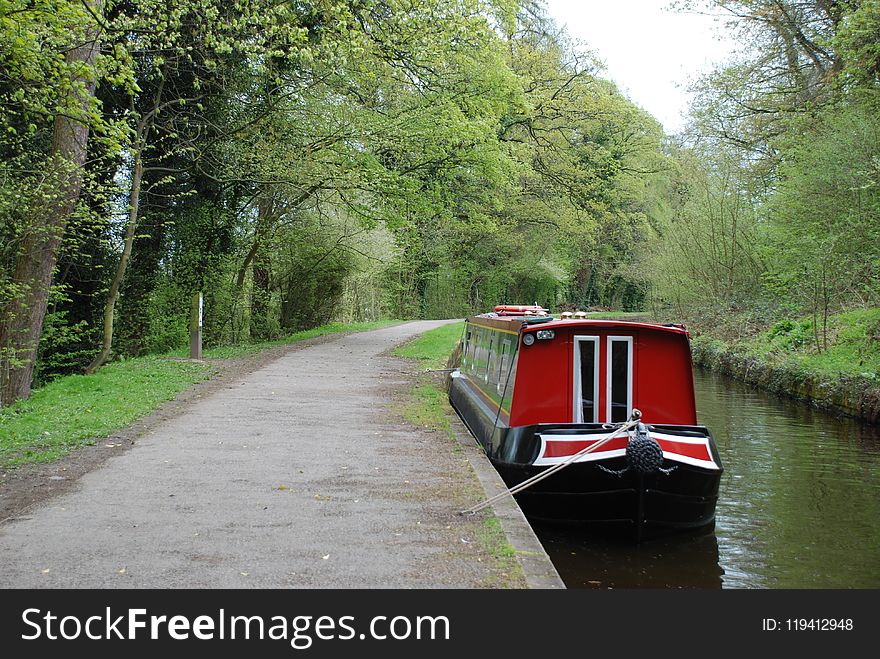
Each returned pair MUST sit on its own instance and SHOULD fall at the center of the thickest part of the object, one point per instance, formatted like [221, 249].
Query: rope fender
[643, 453]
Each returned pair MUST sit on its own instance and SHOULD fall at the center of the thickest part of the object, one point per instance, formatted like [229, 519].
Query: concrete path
[296, 475]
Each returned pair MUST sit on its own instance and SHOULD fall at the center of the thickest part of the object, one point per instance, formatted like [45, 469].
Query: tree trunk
[22, 318]
[132, 328]
[137, 174]
[260, 296]
[110, 306]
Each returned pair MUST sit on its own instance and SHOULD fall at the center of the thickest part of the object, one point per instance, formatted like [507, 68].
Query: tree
[55, 197]
[183, 50]
[791, 67]
[825, 213]
[707, 253]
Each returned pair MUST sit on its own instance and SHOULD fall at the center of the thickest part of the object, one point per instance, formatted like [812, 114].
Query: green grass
[853, 344]
[492, 537]
[76, 410]
[428, 408]
[432, 348]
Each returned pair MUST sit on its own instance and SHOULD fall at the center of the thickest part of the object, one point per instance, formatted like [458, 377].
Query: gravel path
[299, 474]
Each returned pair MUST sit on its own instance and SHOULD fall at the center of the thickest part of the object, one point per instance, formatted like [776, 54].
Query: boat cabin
[533, 369]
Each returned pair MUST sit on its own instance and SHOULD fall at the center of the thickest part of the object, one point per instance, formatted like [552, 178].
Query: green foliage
[706, 253]
[310, 270]
[65, 347]
[858, 42]
[853, 348]
[304, 163]
[790, 335]
[35, 78]
[825, 210]
[774, 205]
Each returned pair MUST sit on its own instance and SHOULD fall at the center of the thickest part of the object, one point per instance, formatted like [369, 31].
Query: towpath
[298, 474]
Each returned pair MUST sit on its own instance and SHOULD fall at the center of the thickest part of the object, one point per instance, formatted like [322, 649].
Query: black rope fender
[643, 453]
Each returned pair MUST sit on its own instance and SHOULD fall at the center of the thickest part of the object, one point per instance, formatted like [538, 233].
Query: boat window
[586, 373]
[475, 357]
[502, 366]
[467, 347]
[489, 355]
[619, 378]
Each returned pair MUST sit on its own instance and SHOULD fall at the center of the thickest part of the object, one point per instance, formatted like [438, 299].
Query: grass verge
[492, 537]
[427, 407]
[852, 347]
[432, 349]
[76, 410]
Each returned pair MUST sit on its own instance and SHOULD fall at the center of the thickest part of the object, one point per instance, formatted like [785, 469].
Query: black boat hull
[604, 492]
[586, 495]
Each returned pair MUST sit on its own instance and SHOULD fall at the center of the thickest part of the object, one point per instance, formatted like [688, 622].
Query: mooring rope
[516, 489]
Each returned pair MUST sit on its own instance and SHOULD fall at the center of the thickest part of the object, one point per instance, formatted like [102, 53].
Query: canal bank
[856, 395]
[538, 568]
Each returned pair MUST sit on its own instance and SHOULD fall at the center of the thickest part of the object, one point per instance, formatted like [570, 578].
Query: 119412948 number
[808, 624]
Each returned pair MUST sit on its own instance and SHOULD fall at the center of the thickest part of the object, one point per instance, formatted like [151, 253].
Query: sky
[649, 51]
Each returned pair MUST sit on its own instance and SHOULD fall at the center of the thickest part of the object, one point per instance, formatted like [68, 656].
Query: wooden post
[195, 327]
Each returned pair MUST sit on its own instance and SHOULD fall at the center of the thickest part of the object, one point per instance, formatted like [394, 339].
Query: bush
[790, 335]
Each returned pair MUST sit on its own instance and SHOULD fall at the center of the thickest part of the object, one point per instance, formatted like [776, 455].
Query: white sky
[650, 52]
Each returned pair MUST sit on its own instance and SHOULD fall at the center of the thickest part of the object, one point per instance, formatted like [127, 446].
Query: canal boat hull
[643, 505]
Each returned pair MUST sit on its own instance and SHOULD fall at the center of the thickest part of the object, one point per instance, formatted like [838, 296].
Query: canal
[799, 506]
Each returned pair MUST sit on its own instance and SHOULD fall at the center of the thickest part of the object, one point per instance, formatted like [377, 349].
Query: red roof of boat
[568, 323]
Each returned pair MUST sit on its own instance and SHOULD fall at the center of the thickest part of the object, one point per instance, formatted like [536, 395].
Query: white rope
[552, 470]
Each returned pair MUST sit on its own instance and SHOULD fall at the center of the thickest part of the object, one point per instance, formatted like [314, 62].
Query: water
[799, 506]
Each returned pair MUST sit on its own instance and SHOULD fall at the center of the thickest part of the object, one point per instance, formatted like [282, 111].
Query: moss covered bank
[786, 359]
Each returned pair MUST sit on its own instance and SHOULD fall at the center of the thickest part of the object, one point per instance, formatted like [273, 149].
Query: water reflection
[614, 562]
[799, 506]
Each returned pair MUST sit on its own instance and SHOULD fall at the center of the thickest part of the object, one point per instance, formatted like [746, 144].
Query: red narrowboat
[537, 391]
